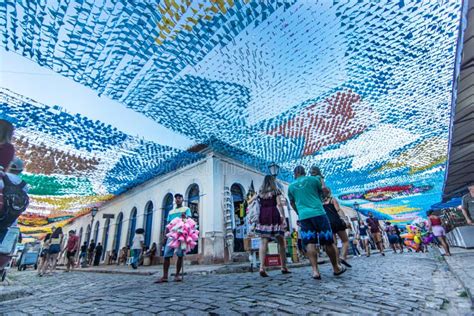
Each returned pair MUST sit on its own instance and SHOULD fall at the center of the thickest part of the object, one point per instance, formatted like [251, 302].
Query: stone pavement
[394, 284]
[188, 268]
[461, 265]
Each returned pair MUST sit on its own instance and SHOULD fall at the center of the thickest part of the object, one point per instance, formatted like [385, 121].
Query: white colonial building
[214, 187]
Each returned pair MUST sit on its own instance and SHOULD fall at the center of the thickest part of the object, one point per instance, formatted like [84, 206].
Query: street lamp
[356, 208]
[274, 169]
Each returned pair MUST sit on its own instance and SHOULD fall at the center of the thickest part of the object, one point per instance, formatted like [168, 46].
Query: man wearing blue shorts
[179, 212]
[305, 198]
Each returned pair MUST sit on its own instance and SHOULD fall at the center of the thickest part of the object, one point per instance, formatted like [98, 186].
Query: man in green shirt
[305, 198]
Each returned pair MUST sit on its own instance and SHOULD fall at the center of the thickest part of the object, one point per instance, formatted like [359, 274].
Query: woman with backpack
[271, 222]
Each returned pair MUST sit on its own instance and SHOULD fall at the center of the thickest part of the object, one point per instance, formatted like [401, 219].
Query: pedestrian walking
[364, 237]
[400, 239]
[71, 248]
[468, 204]
[435, 226]
[138, 244]
[44, 254]
[305, 198]
[179, 212]
[271, 222]
[53, 251]
[376, 232]
[90, 252]
[338, 226]
[83, 255]
[392, 236]
[97, 254]
[353, 243]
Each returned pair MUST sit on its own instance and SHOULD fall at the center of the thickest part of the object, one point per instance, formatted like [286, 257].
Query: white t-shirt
[136, 244]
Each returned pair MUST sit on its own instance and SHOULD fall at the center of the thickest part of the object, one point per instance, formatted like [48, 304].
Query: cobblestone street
[408, 283]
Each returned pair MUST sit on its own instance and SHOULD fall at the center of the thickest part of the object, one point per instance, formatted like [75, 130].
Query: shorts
[438, 231]
[316, 230]
[70, 254]
[377, 237]
[393, 239]
[337, 224]
[169, 252]
[54, 249]
[365, 237]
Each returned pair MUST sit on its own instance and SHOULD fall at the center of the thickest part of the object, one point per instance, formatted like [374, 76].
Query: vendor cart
[29, 256]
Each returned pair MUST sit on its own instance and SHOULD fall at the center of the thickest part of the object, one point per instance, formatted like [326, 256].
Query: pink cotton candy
[183, 234]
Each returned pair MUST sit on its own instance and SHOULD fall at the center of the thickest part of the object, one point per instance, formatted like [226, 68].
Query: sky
[25, 77]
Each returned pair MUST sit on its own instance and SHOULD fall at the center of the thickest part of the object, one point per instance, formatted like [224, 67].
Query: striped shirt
[176, 213]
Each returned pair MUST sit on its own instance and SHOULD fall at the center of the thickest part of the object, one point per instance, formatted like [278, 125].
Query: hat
[16, 164]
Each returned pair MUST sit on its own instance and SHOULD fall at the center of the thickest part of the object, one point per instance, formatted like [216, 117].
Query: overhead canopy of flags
[360, 88]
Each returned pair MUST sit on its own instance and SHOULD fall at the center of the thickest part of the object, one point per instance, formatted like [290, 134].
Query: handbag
[253, 211]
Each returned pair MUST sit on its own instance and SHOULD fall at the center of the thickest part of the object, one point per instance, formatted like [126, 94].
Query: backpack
[15, 202]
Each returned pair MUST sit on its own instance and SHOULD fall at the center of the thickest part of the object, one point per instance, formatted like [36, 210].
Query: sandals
[263, 274]
[344, 262]
[161, 280]
[178, 279]
[318, 277]
[285, 271]
[343, 269]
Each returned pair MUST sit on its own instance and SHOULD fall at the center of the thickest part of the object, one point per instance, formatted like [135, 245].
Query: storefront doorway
[118, 232]
[105, 238]
[193, 204]
[167, 206]
[148, 218]
[240, 227]
[131, 226]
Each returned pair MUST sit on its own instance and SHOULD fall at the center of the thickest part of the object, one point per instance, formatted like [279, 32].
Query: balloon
[417, 239]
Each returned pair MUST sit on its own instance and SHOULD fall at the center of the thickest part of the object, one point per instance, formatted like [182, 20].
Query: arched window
[132, 225]
[96, 232]
[88, 234]
[237, 192]
[148, 222]
[105, 237]
[167, 206]
[118, 232]
[193, 204]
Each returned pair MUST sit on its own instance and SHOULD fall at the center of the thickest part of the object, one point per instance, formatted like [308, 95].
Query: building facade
[204, 185]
